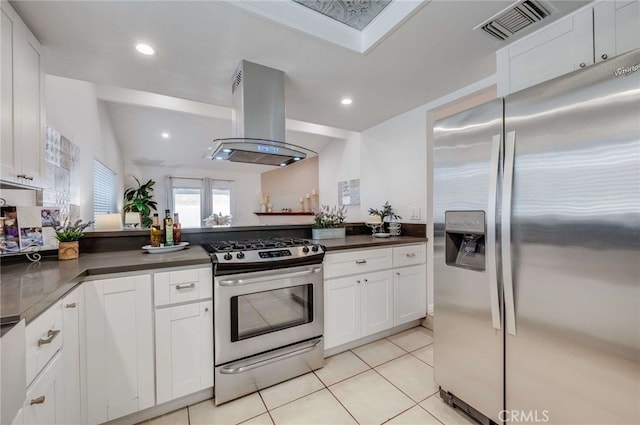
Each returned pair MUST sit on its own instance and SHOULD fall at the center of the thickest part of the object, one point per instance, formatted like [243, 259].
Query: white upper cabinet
[22, 101]
[617, 28]
[590, 35]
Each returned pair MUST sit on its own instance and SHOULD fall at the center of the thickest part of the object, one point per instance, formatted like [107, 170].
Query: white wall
[246, 188]
[338, 161]
[72, 109]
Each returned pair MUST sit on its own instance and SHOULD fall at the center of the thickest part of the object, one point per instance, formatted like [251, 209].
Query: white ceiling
[200, 43]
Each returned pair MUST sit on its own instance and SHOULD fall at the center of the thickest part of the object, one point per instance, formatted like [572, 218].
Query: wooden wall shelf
[284, 213]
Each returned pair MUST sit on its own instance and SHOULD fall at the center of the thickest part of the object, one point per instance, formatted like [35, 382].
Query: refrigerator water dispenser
[465, 239]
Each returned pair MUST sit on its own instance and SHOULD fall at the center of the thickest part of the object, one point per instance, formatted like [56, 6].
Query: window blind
[104, 189]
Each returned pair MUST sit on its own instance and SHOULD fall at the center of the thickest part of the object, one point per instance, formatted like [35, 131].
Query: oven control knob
[228, 256]
[305, 249]
[314, 248]
[240, 255]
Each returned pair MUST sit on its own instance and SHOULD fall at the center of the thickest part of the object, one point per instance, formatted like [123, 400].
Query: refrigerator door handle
[492, 266]
[507, 275]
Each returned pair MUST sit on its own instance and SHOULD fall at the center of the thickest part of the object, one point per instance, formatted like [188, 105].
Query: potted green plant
[140, 200]
[68, 234]
[328, 223]
[384, 212]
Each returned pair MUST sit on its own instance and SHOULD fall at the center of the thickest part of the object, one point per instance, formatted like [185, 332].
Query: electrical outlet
[415, 213]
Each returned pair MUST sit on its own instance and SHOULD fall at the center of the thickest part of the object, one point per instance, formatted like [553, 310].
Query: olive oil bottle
[168, 228]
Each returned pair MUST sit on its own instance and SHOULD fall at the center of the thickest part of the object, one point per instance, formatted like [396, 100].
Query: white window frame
[206, 186]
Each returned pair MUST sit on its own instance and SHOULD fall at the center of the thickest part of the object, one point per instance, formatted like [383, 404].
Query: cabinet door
[22, 99]
[120, 372]
[616, 28]
[342, 311]
[71, 305]
[184, 350]
[6, 74]
[45, 396]
[376, 302]
[409, 294]
[562, 47]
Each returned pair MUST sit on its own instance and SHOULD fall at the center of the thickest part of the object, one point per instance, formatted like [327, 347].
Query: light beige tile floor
[387, 381]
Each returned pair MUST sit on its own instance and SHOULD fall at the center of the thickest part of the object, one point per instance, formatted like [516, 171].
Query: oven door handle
[296, 351]
[269, 276]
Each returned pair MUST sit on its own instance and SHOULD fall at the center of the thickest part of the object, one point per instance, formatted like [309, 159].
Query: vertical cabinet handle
[50, 336]
[38, 400]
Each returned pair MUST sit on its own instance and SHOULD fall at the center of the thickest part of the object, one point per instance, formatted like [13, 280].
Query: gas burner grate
[253, 244]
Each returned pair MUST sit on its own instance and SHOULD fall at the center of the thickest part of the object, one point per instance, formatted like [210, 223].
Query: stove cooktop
[290, 250]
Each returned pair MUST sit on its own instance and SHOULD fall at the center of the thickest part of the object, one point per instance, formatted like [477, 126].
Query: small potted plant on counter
[328, 223]
[68, 234]
[386, 211]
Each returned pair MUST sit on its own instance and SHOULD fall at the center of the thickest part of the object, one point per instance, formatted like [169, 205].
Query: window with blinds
[104, 189]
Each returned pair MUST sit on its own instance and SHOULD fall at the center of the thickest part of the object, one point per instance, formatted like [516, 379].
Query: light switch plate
[415, 213]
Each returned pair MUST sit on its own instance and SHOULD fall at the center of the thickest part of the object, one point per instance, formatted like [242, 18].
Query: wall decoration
[349, 192]
[61, 188]
[10, 240]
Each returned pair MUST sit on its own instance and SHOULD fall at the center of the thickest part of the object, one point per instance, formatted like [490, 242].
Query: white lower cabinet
[409, 294]
[184, 350]
[357, 306]
[119, 347]
[71, 305]
[45, 396]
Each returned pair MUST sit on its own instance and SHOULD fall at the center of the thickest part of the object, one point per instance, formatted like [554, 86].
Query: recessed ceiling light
[165, 135]
[296, 159]
[219, 157]
[283, 165]
[145, 49]
[346, 101]
[226, 150]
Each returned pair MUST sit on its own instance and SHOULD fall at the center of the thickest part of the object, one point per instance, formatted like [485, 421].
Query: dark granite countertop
[28, 289]
[367, 241]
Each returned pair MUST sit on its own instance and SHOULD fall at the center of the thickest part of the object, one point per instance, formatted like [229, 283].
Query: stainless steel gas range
[268, 313]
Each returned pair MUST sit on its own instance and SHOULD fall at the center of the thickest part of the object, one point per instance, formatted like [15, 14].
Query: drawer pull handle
[189, 286]
[397, 273]
[72, 305]
[361, 261]
[38, 400]
[50, 336]
[366, 280]
[358, 281]
[411, 254]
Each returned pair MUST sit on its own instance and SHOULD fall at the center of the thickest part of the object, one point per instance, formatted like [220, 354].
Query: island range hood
[258, 120]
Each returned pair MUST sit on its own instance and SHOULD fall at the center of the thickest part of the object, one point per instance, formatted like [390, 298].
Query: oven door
[261, 311]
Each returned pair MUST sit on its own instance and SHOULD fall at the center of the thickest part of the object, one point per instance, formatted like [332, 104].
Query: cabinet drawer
[44, 401]
[409, 255]
[43, 339]
[353, 262]
[180, 286]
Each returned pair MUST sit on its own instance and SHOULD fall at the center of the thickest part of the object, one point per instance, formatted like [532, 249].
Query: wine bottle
[156, 231]
[168, 228]
[177, 230]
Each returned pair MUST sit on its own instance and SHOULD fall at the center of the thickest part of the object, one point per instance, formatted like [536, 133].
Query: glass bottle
[168, 228]
[156, 231]
[177, 230]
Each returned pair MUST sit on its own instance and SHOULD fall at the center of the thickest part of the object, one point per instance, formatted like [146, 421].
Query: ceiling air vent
[515, 18]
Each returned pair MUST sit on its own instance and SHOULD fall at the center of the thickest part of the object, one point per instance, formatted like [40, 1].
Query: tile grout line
[395, 386]
[296, 399]
[267, 409]
[343, 406]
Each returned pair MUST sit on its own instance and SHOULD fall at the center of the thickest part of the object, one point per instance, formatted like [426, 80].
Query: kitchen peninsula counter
[28, 289]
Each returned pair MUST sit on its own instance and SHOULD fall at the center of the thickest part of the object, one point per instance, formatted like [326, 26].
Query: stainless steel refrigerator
[537, 251]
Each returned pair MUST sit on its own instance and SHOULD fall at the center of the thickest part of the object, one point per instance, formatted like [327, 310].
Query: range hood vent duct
[258, 120]
[515, 18]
